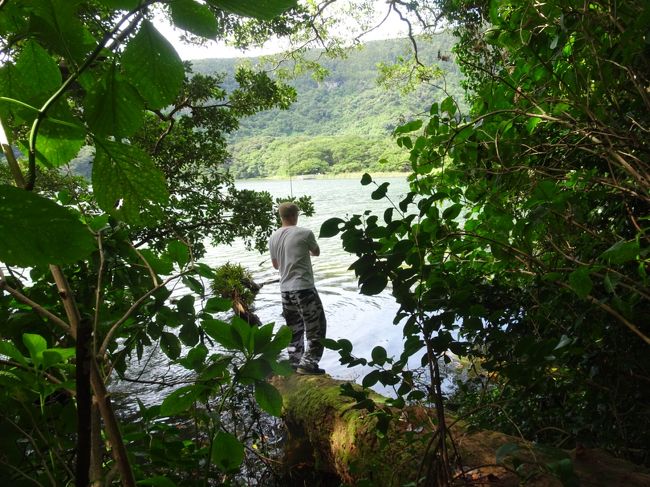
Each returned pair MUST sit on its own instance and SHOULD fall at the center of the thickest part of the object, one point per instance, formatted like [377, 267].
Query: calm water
[367, 321]
[364, 320]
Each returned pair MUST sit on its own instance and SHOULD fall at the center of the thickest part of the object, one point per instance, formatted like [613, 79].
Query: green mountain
[343, 123]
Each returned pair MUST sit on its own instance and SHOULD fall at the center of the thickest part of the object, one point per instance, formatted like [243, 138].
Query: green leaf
[379, 355]
[452, 212]
[218, 305]
[258, 369]
[170, 345]
[222, 333]
[227, 452]
[411, 126]
[179, 401]
[113, 107]
[621, 252]
[374, 284]
[37, 231]
[194, 17]
[59, 139]
[448, 105]
[37, 74]
[279, 342]
[330, 227]
[268, 398]
[8, 349]
[35, 344]
[159, 264]
[366, 179]
[380, 192]
[126, 182]
[580, 282]
[262, 337]
[259, 9]
[178, 252]
[153, 66]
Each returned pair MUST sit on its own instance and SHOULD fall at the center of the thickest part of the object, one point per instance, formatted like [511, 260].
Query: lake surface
[367, 321]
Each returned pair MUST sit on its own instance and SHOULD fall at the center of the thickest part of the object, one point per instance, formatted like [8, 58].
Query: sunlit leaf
[126, 182]
[153, 66]
[37, 231]
[35, 344]
[194, 17]
[221, 332]
[268, 398]
[37, 74]
[113, 106]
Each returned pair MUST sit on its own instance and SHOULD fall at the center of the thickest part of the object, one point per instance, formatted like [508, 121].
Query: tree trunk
[332, 437]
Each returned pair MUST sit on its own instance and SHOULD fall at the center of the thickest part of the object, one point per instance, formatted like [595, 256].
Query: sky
[392, 28]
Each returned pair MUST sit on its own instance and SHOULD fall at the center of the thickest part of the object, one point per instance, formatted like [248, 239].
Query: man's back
[290, 247]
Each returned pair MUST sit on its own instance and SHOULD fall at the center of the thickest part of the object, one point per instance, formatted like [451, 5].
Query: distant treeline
[343, 123]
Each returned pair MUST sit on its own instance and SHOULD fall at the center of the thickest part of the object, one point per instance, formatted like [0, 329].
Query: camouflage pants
[305, 317]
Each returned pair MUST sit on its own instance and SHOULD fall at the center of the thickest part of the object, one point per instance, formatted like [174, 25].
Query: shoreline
[347, 175]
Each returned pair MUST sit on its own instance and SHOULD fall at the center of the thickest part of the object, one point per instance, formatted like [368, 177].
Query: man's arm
[275, 263]
[315, 251]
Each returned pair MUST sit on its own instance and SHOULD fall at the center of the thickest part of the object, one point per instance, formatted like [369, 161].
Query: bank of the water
[347, 175]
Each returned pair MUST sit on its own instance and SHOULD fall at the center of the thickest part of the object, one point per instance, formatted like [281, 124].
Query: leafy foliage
[341, 123]
[98, 75]
[523, 243]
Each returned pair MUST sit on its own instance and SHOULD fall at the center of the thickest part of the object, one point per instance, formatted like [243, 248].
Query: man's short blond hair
[288, 210]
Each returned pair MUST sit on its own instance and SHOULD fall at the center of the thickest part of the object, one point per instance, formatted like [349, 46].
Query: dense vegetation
[522, 246]
[341, 123]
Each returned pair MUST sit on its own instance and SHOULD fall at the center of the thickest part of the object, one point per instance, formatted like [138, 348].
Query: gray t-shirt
[290, 247]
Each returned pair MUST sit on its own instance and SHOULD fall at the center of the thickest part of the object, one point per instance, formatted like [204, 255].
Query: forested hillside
[342, 123]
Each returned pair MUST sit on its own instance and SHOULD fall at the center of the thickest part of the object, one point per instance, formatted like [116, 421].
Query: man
[291, 249]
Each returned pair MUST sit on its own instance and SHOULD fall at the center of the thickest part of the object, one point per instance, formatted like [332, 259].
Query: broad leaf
[179, 401]
[57, 25]
[222, 332]
[37, 231]
[178, 252]
[194, 17]
[126, 182]
[227, 452]
[59, 139]
[268, 398]
[330, 227]
[366, 179]
[374, 284]
[35, 344]
[217, 305]
[153, 66]
[170, 345]
[580, 282]
[259, 9]
[37, 74]
[621, 252]
[113, 106]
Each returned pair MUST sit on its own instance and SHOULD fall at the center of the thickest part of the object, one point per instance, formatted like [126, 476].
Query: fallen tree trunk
[326, 431]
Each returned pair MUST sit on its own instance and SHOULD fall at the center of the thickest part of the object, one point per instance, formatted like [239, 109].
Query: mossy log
[335, 438]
